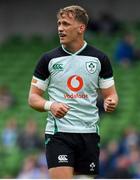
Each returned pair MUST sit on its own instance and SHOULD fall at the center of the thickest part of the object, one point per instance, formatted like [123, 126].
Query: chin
[64, 42]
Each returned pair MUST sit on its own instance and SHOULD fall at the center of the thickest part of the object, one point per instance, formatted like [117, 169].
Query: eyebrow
[62, 21]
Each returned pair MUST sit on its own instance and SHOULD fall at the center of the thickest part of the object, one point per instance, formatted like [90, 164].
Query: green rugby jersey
[74, 79]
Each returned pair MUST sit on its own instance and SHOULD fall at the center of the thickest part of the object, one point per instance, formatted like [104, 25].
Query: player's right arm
[35, 99]
[39, 84]
[39, 103]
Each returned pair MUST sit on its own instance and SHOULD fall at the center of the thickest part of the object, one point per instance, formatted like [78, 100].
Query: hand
[59, 110]
[109, 104]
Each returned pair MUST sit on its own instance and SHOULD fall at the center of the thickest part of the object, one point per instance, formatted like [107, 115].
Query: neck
[75, 46]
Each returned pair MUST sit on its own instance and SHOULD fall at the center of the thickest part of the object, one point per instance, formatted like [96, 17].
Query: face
[69, 29]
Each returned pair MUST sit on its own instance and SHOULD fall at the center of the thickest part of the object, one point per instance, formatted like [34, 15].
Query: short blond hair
[78, 12]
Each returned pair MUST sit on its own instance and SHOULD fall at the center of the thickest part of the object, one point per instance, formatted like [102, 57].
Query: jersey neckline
[77, 52]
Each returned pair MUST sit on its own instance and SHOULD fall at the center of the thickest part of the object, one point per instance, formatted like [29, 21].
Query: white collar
[77, 52]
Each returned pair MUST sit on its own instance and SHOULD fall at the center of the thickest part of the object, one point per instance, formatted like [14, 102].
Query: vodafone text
[73, 96]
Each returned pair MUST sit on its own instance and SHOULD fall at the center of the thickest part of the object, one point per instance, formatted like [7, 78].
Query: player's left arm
[110, 98]
[107, 85]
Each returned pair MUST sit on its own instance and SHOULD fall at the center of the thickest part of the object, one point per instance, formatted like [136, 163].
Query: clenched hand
[59, 110]
[109, 104]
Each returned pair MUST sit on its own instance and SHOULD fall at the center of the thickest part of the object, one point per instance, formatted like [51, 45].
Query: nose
[60, 28]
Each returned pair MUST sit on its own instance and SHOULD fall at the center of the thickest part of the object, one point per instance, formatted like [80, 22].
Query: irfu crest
[91, 67]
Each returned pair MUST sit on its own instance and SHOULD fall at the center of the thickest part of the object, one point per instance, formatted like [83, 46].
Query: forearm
[37, 102]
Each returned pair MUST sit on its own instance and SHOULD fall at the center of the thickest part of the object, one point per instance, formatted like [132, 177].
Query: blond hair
[78, 12]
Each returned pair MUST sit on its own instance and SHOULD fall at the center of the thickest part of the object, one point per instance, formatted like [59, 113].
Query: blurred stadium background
[28, 29]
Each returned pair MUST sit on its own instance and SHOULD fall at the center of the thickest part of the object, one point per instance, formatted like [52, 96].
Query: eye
[63, 23]
[66, 23]
[58, 23]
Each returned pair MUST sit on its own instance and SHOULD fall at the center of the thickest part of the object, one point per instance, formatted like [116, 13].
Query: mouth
[61, 35]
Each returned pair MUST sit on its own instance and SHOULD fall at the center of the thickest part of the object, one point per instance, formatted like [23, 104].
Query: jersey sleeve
[41, 70]
[41, 74]
[106, 79]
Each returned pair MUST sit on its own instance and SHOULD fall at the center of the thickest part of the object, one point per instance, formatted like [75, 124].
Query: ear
[82, 28]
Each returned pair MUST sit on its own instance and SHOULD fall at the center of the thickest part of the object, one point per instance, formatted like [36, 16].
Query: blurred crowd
[126, 53]
[121, 159]
[7, 99]
[105, 24]
[34, 167]
[118, 158]
[30, 143]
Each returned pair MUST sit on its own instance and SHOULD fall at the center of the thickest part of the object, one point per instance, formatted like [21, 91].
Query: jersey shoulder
[41, 71]
[54, 53]
[106, 67]
[94, 52]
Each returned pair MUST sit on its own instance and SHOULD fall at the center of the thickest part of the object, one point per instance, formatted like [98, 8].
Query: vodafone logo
[75, 83]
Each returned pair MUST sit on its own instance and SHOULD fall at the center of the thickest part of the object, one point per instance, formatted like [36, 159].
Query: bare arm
[35, 99]
[110, 98]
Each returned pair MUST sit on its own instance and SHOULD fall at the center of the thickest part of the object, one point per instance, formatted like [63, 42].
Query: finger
[111, 104]
[110, 108]
[64, 109]
[60, 115]
[66, 106]
[109, 101]
[60, 112]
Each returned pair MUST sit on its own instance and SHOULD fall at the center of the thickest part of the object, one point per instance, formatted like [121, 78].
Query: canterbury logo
[75, 83]
[62, 158]
[58, 66]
